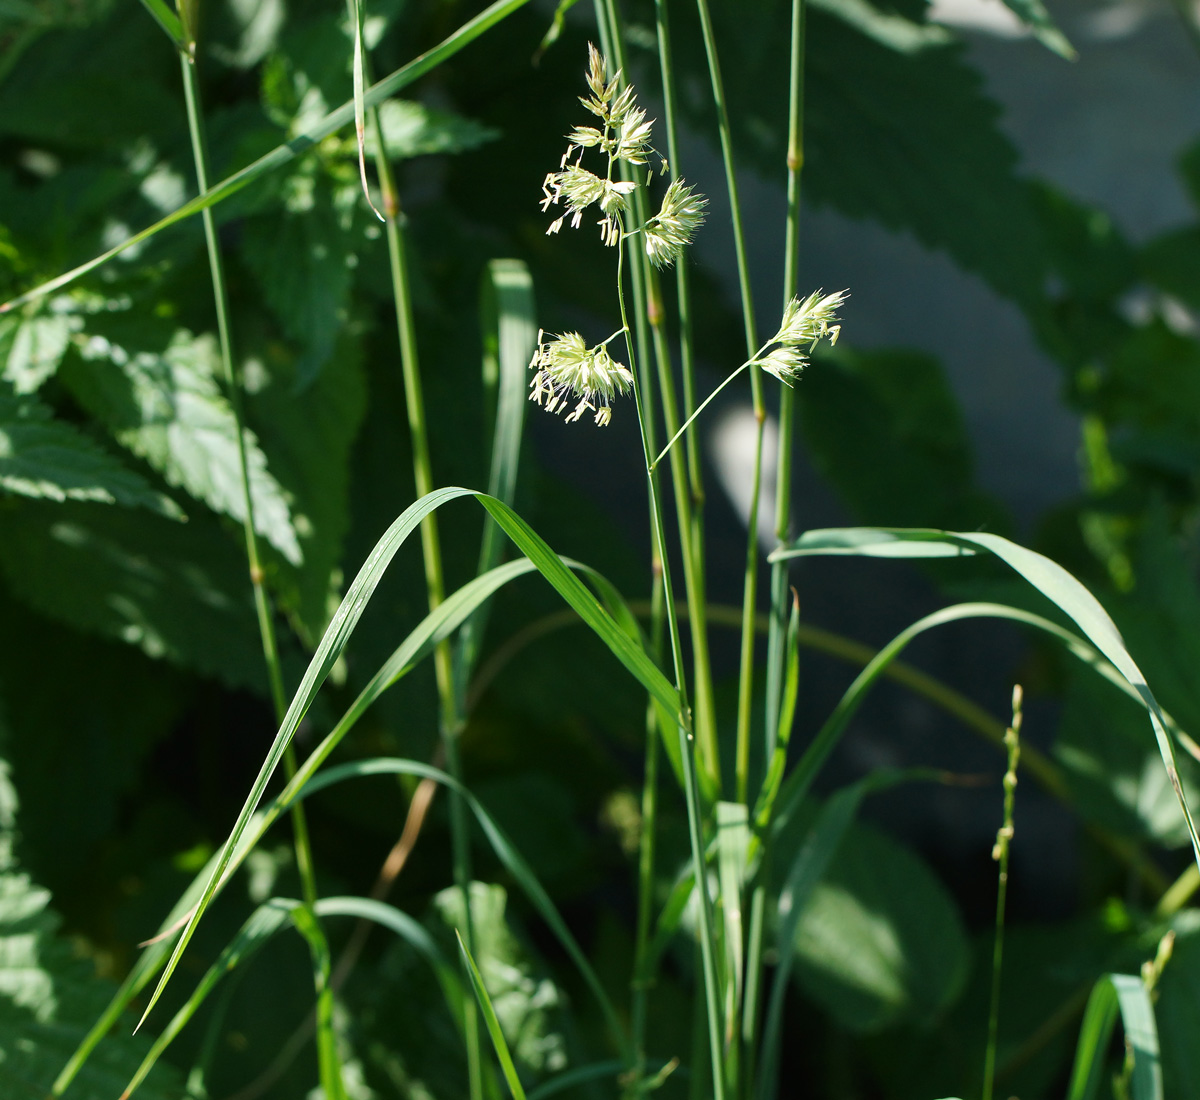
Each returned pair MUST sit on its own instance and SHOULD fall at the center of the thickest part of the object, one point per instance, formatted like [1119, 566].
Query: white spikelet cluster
[804, 323]
[568, 370]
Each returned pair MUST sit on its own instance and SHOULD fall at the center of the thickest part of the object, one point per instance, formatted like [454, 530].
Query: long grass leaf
[509, 337]
[301, 143]
[787, 714]
[167, 20]
[505, 851]
[420, 641]
[278, 913]
[1048, 577]
[807, 868]
[263, 923]
[336, 637]
[493, 1024]
[1127, 995]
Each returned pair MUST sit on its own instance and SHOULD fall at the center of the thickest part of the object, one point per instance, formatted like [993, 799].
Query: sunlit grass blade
[733, 840]
[263, 923]
[493, 1024]
[505, 851]
[329, 1062]
[783, 728]
[509, 337]
[301, 143]
[626, 649]
[1048, 577]
[278, 913]
[1127, 995]
[167, 19]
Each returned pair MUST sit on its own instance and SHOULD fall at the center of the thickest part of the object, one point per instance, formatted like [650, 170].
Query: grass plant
[741, 869]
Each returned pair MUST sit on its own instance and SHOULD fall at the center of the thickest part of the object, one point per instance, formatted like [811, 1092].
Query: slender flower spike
[568, 370]
[804, 323]
[672, 228]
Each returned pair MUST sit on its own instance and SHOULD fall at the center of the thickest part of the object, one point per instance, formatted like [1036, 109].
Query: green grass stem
[1012, 742]
[777, 626]
[451, 721]
[326, 1041]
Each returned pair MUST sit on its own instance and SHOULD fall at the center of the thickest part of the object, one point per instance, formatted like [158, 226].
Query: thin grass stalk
[643, 976]
[746, 664]
[1012, 741]
[777, 622]
[697, 582]
[262, 604]
[683, 288]
[451, 721]
[687, 740]
[326, 1044]
[750, 585]
[648, 306]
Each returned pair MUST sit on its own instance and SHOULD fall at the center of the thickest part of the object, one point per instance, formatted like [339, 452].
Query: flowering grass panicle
[671, 230]
[804, 323]
[567, 368]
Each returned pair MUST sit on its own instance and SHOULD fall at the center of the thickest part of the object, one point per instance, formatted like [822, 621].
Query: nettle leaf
[167, 407]
[411, 129]
[49, 998]
[45, 458]
[897, 129]
[309, 436]
[525, 1003]
[177, 591]
[31, 347]
[880, 941]
[1116, 779]
[885, 428]
[304, 261]
[49, 995]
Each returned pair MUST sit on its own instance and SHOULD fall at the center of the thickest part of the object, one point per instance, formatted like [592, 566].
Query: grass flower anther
[568, 369]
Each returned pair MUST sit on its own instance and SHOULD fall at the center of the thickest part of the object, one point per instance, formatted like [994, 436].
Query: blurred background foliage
[133, 706]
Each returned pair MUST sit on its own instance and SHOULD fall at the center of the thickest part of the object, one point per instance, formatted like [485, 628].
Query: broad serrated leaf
[177, 591]
[885, 102]
[32, 347]
[49, 459]
[167, 406]
[303, 259]
[1115, 777]
[411, 129]
[308, 436]
[49, 996]
[526, 1002]
[881, 940]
